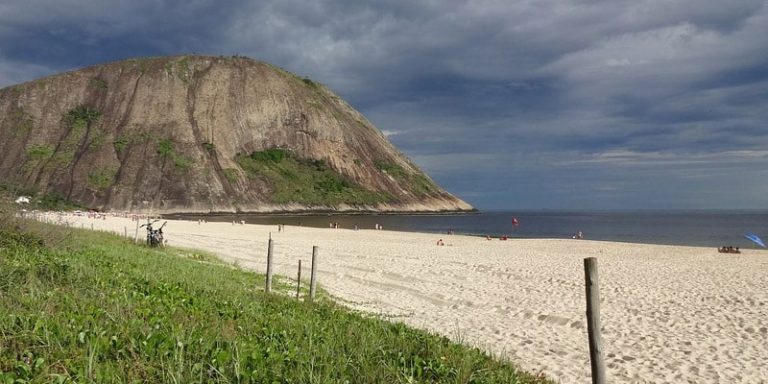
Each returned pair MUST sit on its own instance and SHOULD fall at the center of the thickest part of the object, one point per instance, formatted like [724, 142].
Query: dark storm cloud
[510, 104]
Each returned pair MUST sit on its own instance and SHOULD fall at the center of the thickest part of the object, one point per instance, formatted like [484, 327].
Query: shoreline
[183, 215]
[669, 313]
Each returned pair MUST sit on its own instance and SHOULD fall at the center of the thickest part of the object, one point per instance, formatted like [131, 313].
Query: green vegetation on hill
[88, 307]
[24, 121]
[167, 151]
[305, 181]
[418, 183]
[50, 201]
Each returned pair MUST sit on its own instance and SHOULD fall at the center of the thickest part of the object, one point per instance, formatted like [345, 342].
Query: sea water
[697, 228]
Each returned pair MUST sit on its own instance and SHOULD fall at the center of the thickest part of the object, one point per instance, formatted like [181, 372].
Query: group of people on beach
[728, 249]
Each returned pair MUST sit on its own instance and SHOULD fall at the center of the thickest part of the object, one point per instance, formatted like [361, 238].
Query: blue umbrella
[755, 239]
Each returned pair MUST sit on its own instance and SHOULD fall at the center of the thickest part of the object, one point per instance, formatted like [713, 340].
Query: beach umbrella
[755, 239]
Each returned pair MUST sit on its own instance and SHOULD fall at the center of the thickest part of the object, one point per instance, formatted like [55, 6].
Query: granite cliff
[203, 134]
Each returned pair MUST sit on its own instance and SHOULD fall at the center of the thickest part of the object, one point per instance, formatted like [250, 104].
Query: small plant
[84, 112]
[82, 115]
[97, 141]
[165, 148]
[231, 175]
[210, 147]
[309, 83]
[183, 70]
[182, 163]
[129, 138]
[99, 83]
[39, 152]
[274, 155]
[120, 143]
[102, 178]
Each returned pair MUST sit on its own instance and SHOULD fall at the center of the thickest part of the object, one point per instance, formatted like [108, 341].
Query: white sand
[669, 314]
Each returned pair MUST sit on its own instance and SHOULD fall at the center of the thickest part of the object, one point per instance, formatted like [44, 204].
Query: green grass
[127, 139]
[305, 181]
[231, 174]
[102, 178]
[417, 183]
[210, 147]
[78, 119]
[38, 152]
[87, 307]
[99, 83]
[167, 151]
[82, 115]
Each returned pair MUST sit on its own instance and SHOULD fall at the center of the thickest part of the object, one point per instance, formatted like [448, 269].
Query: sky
[537, 104]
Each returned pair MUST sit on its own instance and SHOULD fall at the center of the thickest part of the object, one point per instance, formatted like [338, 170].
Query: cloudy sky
[558, 104]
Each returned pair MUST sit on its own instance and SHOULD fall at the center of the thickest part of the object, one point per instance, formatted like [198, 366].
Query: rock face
[203, 134]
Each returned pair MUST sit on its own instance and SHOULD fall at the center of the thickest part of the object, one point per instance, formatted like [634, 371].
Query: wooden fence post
[313, 274]
[136, 237]
[298, 282]
[91, 226]
[593, 321]
[125, 231]
[269, 264]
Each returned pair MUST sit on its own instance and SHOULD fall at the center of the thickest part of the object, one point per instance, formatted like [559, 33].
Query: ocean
[696, 228]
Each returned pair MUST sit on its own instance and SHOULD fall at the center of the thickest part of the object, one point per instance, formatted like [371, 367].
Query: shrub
[82, 114]
[102, 178]
[309, 82]
[120, 143]
[231, 174]
[99, 83]
[274, 155]
[39, 152]
[165, 148]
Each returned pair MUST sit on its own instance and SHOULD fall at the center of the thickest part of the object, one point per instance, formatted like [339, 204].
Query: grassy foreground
[84, 307]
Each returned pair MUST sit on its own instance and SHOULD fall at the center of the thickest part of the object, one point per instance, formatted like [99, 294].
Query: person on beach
[440, 242]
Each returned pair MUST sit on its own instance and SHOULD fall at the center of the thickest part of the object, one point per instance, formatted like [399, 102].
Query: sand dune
[669, 313]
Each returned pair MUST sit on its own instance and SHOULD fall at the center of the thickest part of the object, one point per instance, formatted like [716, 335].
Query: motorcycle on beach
[154, 236]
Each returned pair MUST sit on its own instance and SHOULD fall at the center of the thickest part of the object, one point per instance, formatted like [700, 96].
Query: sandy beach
[669, 313]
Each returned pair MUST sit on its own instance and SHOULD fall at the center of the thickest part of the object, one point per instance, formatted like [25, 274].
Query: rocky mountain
[203, 134]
